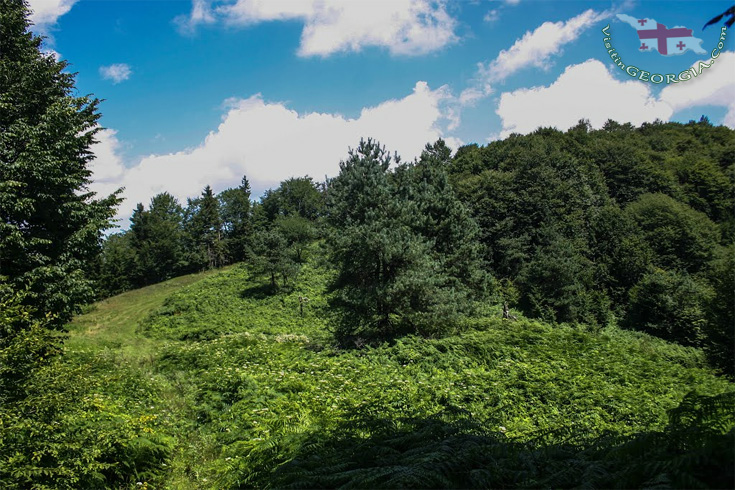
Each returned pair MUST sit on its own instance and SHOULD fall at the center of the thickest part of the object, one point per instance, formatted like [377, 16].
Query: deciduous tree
[50, 223]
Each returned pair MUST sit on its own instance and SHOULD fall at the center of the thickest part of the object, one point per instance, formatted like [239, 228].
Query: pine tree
[235, 209]
[157, 238]
[446, 222]
[390, 279]
[206, 228]
[50, 223]
[273, 258]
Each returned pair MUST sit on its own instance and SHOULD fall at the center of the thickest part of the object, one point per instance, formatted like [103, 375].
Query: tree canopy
[50, 223]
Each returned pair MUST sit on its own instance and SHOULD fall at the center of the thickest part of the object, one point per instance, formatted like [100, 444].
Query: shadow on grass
[695, 451]
[259, 291]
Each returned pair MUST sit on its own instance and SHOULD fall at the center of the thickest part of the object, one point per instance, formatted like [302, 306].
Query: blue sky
[201, 92]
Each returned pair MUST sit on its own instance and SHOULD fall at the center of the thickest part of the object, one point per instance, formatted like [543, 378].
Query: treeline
[624, 225]
[167, 239]
[627, 225]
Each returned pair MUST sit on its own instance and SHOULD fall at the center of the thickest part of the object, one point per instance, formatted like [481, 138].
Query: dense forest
[550, 310]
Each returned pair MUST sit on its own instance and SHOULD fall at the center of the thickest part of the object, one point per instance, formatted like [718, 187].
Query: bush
[670, 305]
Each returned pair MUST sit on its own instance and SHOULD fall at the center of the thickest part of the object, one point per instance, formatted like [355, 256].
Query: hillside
[211, 381]
[553, 309]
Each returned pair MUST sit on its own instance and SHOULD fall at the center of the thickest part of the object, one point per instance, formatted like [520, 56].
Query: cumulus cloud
[471, 95]
[584, 91]
[589, 91]
[404, 27]
[269, 142]
[107, 167]
[537, 47]
[45, 13]
[118, 72]
[714, 86]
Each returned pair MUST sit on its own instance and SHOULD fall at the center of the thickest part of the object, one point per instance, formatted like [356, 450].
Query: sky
[200, 92]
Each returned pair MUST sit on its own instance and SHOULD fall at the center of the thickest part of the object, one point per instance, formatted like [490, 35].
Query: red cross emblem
[662, 34]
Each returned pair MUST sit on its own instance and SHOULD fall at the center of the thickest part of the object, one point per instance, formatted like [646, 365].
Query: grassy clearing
[248, 390]
[112, 323]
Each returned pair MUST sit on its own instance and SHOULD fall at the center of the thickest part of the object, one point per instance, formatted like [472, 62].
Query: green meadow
[213, 381]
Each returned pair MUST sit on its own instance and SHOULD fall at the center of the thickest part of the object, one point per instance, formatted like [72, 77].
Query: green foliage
[249, 393]
[166, 240]
[239, 299]
[273, 258]
[404, 248]
[235, 208]
[26, 344]
[70, 431]
[57, 428]
[368, 452]
[442, 219]
[670, 305]
[204, 227]
[721, 312]
[558, 285]
[299, 196]
[117, 269]
[576, 220]
[680, 237]
[620, 254]
[157, 240]
[50, 225]
[298, 232]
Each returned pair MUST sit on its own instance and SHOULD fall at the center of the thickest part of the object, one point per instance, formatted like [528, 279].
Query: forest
[624, 225]
[550, 310]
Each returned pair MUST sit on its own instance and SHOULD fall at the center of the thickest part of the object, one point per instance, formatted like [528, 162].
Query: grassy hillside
[228, 386]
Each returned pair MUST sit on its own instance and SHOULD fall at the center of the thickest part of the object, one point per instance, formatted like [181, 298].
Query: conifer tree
[50, 223]
[235, 210]
[117, 269]
[157, 238]
[206, 228]
[273, 258]
[390, 279]
[446, 222]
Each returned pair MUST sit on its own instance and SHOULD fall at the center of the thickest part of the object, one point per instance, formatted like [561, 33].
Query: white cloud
[107, 167]
[492, 16]
[404, 27]
[268, 142]
[45, 13]
[118, 72]
[470, 95]
[583, 91]
[536, 48]
[51, 52]
[714, 86]
[201, 13]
